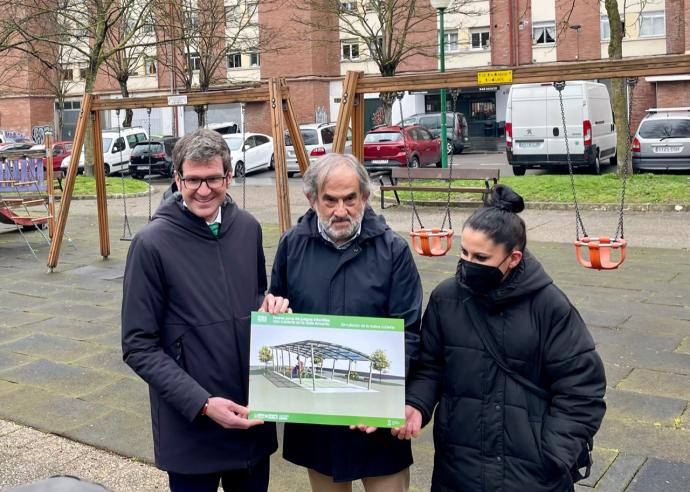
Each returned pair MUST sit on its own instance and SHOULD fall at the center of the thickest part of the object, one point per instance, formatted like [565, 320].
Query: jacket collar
[177, 213]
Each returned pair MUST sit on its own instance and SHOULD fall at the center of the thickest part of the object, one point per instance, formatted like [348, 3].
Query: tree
[391, 31]
[85, 27]
[265, 355]
[200, 39]
[380, 361]
[318, 360]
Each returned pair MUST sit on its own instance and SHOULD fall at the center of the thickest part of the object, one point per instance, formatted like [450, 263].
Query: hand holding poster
[319, 369]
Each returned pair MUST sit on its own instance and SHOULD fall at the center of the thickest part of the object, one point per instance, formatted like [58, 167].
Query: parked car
[662, 141]
[393, 146]
[15, 146]
[457, 132]
[117, 149]
[250, 152]
[152, 157]
[318, 140]
[534, 126]
[61, 150]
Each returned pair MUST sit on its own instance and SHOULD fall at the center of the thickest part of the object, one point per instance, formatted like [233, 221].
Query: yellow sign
[497, 77]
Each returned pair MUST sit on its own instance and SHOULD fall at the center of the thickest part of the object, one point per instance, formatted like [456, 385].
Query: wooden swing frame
[355, 85]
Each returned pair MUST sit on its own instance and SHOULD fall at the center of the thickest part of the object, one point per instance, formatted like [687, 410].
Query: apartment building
[483, 33]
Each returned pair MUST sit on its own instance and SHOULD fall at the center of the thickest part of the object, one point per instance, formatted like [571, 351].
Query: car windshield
[144, 147]
[665, 129]
[235, 143]
[106, 144]
[68, 147]
[378, 137]
[310, 137]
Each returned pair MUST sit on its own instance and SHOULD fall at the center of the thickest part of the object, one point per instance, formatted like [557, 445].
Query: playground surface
[68, 404]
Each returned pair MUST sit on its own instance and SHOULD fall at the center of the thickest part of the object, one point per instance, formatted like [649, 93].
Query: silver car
[318, 140]
[662, 141]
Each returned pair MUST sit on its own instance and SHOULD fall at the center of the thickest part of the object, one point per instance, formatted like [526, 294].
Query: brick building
[498, 32]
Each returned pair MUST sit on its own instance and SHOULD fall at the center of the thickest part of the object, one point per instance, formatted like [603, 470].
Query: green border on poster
[311, 418]
[327, 321]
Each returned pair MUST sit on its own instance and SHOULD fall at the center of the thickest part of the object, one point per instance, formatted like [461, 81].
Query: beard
[341, 235]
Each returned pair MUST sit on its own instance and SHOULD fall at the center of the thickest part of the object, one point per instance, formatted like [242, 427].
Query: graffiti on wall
[38, 133]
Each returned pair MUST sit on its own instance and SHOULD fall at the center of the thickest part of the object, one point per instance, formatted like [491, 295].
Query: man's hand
[413, 424]
[229, 414]
[275, 305]
[364, 428]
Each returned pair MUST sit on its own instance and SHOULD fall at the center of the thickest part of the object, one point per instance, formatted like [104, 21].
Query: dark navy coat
[374, 276]
[185, 330]
[490, 432]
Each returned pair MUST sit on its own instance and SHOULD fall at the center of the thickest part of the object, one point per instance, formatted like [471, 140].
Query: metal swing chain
[126, 230]
[244, 159]
[399, 95]
[579, 225]
[454, 96]
[148, 176]
[631, 82]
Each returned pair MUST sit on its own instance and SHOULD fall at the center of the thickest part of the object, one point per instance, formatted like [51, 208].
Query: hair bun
[504, 198]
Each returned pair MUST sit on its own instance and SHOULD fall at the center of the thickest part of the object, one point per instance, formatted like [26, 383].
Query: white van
[118, 145]
[534, 126]
[117, 149]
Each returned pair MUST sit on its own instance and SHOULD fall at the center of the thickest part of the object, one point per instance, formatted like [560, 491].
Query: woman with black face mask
[507, 367]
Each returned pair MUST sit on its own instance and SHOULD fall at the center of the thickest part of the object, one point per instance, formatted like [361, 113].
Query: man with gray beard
[343, 259]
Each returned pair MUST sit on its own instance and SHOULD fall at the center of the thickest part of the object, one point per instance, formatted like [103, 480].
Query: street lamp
[442, 5]
[577, 28]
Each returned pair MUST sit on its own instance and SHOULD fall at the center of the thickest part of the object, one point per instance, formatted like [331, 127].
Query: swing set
[351, 115]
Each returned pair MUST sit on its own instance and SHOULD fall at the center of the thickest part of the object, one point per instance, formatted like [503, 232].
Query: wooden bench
[402, 179]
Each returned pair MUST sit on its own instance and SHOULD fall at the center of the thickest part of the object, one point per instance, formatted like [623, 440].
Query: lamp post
[441, 6]
[577, 28]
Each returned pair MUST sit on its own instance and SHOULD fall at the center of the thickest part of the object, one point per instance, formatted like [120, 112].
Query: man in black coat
[193, 276]
[342, 259]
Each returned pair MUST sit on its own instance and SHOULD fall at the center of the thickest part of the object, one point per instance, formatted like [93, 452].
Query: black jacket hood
[525, 279]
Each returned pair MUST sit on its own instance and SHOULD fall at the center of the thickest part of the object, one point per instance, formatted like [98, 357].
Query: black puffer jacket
[490, 433]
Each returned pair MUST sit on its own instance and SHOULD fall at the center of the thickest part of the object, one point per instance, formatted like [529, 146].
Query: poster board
[331, 370]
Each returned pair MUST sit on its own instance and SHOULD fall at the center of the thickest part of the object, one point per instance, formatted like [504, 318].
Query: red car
[60, 150]
[393, 146]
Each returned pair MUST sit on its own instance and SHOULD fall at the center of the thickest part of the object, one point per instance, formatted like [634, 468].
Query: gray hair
[202, 145]
[318, 172]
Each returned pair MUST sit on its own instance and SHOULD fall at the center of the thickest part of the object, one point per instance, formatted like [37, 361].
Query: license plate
[667, 149]
[379, 161]
[529, 145]
[142, 168]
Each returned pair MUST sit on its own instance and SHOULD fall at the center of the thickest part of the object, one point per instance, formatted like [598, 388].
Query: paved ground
[69, 405]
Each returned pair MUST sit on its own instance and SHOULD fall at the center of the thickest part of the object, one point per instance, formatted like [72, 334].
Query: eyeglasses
[213, 182]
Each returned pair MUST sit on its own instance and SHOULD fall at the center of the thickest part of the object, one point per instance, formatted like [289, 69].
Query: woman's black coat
[490, 433]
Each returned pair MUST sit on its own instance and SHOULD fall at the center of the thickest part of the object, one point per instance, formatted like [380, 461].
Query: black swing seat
[404, 178]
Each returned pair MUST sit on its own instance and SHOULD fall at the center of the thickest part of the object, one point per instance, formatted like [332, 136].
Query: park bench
[402, 179]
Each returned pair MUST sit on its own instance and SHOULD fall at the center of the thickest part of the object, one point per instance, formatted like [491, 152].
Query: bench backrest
[441, 173]
[22, 170]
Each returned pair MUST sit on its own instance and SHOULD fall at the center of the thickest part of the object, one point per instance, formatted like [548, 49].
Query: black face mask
[480, 278]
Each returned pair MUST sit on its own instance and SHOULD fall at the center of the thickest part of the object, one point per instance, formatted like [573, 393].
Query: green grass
[86, 185]
[641, 188]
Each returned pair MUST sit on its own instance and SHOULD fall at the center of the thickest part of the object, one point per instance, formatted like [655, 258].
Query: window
[82, 73]
[543, 33]
[195, 61]
[328, 134]
[131, 65]
[260, 139]
[652, 24]
[254, 59]
[349, 49]
[450, 42]
[67, 74]
[375, 46]
[606, 29]
[192, 19]
[479, 38]
[149, 26]
[150, 65]
[348, 6]
[234, 60]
